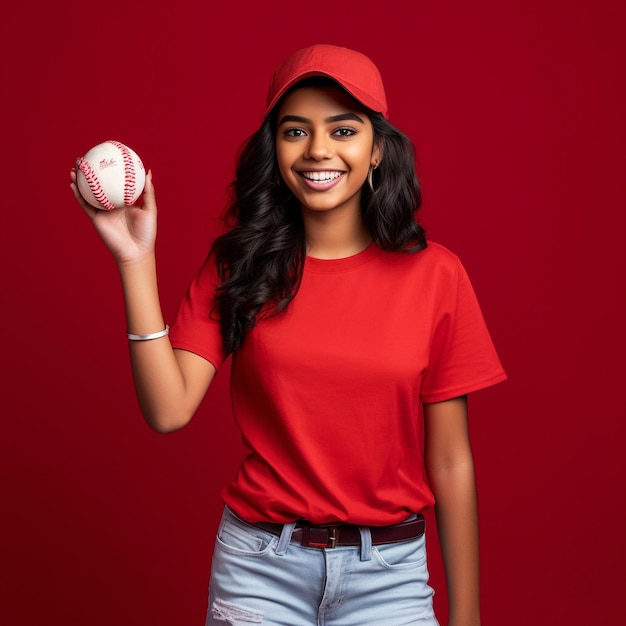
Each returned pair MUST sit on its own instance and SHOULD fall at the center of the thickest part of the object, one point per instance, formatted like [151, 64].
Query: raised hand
[129, 232]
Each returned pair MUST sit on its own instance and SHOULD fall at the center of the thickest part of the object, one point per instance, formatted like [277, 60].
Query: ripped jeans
[258, 578]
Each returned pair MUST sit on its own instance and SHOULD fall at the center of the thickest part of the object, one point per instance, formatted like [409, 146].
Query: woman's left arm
[450, 469]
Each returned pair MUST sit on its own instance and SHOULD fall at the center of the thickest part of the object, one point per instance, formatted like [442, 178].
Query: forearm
[158, 379]
[170, 383]
[457, 524]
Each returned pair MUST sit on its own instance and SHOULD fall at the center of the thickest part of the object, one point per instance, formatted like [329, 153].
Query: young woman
[354, 343]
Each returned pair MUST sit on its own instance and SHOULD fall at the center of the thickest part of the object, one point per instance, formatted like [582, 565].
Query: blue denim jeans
[258, 578]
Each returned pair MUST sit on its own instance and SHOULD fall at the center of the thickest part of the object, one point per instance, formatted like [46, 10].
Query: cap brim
[355, 92]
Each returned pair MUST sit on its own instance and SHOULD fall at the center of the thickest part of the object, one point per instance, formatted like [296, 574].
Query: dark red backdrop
[517, 112]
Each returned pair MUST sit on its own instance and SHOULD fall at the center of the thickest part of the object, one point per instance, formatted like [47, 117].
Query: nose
[318, 147]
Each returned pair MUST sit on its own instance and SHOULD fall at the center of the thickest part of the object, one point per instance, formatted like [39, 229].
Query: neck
[332, 235]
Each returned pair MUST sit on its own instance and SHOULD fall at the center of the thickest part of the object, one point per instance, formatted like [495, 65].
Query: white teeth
[322, 177]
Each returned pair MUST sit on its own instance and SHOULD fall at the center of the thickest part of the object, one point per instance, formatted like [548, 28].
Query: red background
[517, 113]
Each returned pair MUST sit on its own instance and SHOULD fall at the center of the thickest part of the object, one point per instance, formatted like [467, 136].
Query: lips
[321, 179]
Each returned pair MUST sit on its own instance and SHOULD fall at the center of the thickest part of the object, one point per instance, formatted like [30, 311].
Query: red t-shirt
[328, 394]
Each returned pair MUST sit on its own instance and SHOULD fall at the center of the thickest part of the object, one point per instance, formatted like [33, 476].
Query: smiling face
[325, 147]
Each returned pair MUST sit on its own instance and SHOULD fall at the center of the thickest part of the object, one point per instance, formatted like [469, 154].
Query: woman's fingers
[149, 199]
[148, 195]
[91, 211]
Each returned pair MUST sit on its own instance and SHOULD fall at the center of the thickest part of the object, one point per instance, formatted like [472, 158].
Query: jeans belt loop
[366, 543]
[284, 538]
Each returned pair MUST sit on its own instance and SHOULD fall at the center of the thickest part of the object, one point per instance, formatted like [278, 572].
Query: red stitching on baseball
[94, 183]
[129, 172]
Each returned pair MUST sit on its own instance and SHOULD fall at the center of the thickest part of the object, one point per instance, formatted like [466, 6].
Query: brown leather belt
[328, 536]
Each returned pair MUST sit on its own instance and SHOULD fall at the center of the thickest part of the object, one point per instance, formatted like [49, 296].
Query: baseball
[110, 176]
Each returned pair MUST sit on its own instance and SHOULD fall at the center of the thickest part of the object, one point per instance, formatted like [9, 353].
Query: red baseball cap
[351, 69]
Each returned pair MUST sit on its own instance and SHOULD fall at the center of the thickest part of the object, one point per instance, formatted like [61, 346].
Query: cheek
[284, 161]
[359, 156]
[286, 173]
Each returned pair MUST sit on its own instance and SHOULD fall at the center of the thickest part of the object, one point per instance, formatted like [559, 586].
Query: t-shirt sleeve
[462, 357]
[196, 327]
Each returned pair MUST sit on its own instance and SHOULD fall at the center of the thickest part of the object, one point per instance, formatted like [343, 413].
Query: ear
[377, 153]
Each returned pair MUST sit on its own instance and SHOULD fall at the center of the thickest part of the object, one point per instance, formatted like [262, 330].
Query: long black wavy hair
[260, 258]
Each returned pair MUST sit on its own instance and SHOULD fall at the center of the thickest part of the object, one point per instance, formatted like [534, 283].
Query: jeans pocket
[238, 537]
[404, 554]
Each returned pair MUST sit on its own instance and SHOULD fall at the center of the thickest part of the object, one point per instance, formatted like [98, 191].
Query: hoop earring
[370, 177]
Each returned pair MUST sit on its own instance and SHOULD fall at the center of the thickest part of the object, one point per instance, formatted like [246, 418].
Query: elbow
[164, 429]
[448, 468]
[165, 424]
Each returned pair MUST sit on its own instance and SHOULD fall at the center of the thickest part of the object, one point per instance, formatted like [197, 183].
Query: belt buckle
[325, 537]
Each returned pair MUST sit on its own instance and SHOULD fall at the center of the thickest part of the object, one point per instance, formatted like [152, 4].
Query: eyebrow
[329, 120]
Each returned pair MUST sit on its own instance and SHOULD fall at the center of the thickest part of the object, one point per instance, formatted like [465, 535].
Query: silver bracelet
[161, 333]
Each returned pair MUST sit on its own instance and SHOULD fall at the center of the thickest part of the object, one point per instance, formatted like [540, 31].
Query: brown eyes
[339, 132]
